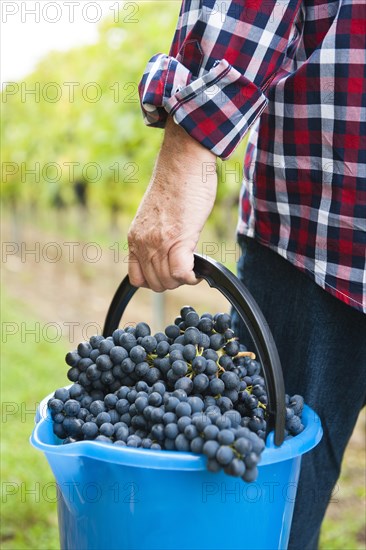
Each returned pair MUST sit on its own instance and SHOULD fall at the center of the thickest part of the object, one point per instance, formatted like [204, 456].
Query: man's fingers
[162, 268]
[135, 273]
[181, 262]
[151, 277]
[165, 272]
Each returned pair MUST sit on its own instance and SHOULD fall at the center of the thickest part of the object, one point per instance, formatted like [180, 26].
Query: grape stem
[245, 354]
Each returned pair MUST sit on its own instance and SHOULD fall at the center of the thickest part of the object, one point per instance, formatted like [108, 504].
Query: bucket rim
[43, 439]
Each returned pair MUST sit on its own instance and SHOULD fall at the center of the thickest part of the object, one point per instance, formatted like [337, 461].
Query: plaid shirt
[292, 71]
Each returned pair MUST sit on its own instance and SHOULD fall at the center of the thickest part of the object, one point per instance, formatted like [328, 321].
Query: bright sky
[26, 37]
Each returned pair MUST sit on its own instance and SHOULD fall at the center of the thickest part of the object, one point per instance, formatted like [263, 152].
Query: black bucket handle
[219, 277]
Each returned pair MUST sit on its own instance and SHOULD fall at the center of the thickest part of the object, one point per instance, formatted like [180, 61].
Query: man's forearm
[188, 147]
[174, 209]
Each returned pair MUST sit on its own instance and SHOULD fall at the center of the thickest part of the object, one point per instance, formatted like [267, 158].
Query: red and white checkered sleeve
[222, 59]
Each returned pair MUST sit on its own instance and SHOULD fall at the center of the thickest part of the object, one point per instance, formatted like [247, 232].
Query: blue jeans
[322, 347]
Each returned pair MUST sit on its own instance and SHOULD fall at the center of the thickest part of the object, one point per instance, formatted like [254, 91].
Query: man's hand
[164, 234]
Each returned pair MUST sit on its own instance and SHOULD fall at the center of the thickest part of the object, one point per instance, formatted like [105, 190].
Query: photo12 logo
[68, 12]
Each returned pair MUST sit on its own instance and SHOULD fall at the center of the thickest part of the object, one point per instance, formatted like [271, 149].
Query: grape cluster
[192, 388]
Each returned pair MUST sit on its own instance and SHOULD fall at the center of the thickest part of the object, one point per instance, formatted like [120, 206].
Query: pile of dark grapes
[192, 388]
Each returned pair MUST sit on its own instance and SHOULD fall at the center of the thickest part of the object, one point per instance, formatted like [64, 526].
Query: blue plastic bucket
[137, 499]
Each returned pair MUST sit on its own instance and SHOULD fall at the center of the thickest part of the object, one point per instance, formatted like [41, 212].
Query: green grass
[343, 535]
[30, 371]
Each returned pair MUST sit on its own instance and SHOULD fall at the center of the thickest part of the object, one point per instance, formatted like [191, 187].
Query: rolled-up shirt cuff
[216, 109]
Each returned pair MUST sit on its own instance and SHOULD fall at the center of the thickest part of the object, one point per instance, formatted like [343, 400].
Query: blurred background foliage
[82, 133]
[83, 123]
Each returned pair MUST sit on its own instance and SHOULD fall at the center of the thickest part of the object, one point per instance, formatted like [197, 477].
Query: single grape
[97, 407]
[72, 358]
[84, 349]
[127, 365]
[172, 331]
[205, 324]
[294, 425]
[183, 409]
[72, 407]
[231, 380]
[157, 415]
[229, 334]
[157, 432]
[225, 404]
[106, 429]
[59, 430]
[250, 474]
[191, 319]
[224, 455]
[190, 432]
[222, 322]
[73, 374]
[89, 430]
[127, 341]
[217, 341]
[210, 448]
[171, 430]
[236, 468]
[142, 369]
[162, 348]
[196, 403]
[104, 362]
[179, 368]
[76, 391]
[149, 343]
[196, 445]
[200, 383]
[152, 376]
[55, 405]
[217, 386]
[199, 364]
[297, 404]
[182, 443]
[172, 403]
[122, 433]
[192, 336]
[105, 346]
[225, 437]
[211, 367]
[232, 348]
[142, 330]
[72, 426]
[211, 432]
[234, 416]
[189, 352]
[95, 340]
